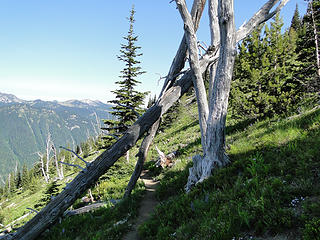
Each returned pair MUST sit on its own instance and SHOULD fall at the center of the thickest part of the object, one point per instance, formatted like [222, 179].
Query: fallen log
[175, 71]
[87, 208]
[142, 155]
[84, 180]
[165, 160]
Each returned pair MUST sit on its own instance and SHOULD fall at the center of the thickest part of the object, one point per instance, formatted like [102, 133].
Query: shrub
[312, 230]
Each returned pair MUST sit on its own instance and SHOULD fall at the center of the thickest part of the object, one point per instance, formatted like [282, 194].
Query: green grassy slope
[270, 188]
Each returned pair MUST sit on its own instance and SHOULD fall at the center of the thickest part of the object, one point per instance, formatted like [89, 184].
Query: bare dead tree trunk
[180, 58]
[9, 182]
[42, 167]
[212, 112]
[176, 66]
[55, 157]
[316, 40]
[142, 156]
[48, 151]
[192, 42]
[214, 152]
[84, 180]
[61, 166]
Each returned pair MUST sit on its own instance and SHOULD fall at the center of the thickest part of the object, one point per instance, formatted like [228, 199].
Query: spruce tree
[306, 47]
[265, 80]
[128, 101]
[296, 21]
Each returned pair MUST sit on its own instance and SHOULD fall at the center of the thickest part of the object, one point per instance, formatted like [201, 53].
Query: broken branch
[87, 163]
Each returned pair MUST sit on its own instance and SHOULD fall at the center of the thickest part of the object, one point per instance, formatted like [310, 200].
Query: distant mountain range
[24, 126]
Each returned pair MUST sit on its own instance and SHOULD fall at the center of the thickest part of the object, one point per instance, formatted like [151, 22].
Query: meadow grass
[270, 187]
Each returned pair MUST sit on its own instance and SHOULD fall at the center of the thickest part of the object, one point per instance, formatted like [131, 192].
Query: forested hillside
[26, 125]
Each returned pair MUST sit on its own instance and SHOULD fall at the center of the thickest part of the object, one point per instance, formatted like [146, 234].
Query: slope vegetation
[25, 126]
[270, 190]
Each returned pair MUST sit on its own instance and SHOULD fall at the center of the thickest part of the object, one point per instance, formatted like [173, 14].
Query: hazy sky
[67, 49]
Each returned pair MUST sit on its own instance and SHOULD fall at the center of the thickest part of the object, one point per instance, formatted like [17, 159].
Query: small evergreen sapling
[128, 101]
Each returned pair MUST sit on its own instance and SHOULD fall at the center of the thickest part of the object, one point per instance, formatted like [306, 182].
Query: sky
[67, 49]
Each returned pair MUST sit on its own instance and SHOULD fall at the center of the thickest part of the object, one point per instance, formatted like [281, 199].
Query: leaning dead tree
[222, 53]
[174, 72]
[212, 109]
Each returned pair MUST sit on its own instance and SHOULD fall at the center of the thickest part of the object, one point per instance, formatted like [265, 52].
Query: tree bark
[213, 129]
[55, 157]
[180, 58]
[214, 140]
[50, 213]
[142, 155]
[191, 38]
[316, 40]
[215, 38]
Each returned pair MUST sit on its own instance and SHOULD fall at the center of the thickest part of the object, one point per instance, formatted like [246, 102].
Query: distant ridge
[24, 126]
[9, 98]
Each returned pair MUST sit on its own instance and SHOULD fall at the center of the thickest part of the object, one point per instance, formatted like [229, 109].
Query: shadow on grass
[239, 126]
[296, 159]
[184, 128]
[109, 222]
[303, 122]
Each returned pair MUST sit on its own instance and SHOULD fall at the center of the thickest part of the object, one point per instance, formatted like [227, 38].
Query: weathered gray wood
[215, 38]
[180, 58]
[176, 67]
[142, 156]
[316, 40]
[261, 16]
[84, 209]
[213, 130]
[50, 213]
[192, 42]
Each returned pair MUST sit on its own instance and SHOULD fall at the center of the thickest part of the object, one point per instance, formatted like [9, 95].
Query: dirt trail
[147, 205]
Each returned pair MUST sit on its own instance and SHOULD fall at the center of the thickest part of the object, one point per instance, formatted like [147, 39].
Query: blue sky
[67, 49]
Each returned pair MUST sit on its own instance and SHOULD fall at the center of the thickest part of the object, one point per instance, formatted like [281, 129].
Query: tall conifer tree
[264, 77]
[306, 46]
[128, 101]
[296, 21]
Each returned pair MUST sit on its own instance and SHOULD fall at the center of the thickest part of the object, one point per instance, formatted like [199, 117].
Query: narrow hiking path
[147, 205]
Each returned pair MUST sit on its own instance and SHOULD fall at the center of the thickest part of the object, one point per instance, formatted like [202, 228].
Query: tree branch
[33, 210]
[260, 17]
[131, 108]
[191, 39]
[180, 58]
[142, 155]
[72, 165]
[87, 163]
